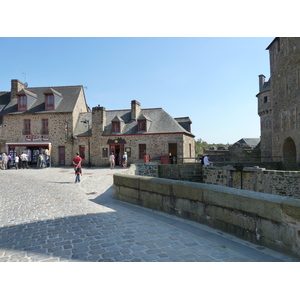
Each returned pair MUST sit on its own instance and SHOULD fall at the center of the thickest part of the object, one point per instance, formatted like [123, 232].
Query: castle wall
[285, 90]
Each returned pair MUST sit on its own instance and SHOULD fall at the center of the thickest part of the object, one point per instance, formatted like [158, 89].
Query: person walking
[77, 167]
[112, 160]
[17, 162]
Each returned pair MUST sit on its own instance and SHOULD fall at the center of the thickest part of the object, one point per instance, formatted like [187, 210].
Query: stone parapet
[268, 220]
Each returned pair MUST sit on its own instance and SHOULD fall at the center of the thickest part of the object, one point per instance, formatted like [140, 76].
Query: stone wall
[146, 169]
[268, 220]
[283, 183]
[186, 172]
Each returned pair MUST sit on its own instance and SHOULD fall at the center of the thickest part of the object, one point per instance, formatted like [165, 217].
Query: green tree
[201, 145]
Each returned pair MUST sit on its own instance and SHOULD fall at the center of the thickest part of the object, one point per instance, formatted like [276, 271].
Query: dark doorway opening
[172, 153]
[289, 154]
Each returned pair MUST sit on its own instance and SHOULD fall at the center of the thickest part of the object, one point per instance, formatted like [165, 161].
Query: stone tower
[280, 114]
[265, 113]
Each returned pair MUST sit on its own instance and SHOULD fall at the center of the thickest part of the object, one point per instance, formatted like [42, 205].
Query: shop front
[36, 152]
[117, 146]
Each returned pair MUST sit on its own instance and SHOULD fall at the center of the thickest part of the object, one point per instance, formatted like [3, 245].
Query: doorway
[173, 153]
[289, 154]
[118, 152]
[61, 155]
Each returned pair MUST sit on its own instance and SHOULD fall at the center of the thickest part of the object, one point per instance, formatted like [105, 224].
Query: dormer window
[26, 99]
[52, 99]
[142, 125]
[49, 101]
[116, 127]
[22, 102]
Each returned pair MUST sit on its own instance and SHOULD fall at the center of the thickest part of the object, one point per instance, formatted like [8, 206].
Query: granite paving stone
[56, 220]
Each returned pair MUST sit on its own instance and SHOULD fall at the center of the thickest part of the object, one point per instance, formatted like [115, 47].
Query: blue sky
[213, 80]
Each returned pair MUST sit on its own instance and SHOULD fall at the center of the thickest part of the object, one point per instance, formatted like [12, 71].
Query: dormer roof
[144, 117]
[26, 92]
[117, 119]
[67, 96]
[52, 91]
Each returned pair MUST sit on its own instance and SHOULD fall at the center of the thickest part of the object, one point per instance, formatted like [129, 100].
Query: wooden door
[61, 155]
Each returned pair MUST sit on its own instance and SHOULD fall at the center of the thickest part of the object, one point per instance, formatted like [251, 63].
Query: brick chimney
[16, 86]
[135, 109]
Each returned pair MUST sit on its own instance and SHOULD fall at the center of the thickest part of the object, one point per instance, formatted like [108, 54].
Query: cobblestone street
[46, 217]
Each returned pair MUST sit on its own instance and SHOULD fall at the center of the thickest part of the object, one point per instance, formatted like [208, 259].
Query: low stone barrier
[268, 220]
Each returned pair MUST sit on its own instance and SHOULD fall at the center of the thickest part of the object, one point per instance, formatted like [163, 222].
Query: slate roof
[253, 142]
[266, 86]
[162, 122]
[185, 122]
[69, 94]
[4, 99]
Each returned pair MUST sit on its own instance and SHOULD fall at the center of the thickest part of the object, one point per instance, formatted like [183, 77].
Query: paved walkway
[46, 217]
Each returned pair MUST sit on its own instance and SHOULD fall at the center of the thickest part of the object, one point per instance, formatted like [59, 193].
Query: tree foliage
[201, 145]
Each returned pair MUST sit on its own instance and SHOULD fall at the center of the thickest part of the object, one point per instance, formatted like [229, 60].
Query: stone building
[36, 119]
[139, 132]
[57, 119]
[279, 104]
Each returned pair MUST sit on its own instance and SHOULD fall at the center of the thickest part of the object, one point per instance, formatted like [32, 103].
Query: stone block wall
[268, 220]
[186, 172]
[283, 183]
[146, 169]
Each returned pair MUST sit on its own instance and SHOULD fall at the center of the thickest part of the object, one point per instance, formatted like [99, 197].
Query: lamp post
[89, 144]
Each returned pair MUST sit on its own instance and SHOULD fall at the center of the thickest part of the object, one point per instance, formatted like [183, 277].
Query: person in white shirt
[112, 160]
[17, 162]
[24, 158]
[4, 161]
[206, 162]
[125, 159]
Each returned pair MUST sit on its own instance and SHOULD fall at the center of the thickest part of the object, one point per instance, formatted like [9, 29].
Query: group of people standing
[112, 160]
[19, 161]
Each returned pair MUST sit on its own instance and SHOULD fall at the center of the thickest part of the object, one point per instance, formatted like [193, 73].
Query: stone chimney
[16, 86]
[135, 109]
[98, 119]
[262, 80]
